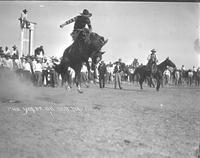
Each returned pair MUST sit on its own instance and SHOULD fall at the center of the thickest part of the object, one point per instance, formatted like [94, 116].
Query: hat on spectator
[14, 46]
[25, 11]
[153, 50]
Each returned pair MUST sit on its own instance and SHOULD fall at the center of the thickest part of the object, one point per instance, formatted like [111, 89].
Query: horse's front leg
[65, 81]
[88, 69]
[158, 79]
[78, 80]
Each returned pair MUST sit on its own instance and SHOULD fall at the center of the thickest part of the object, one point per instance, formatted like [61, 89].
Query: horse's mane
[162, 65]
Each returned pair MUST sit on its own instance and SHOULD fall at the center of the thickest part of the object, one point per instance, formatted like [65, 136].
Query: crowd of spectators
[38, 64]
[44, 74]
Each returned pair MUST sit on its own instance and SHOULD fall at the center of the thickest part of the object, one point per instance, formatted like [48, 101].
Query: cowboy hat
[25, 11]
[153, 50]
[14, 46]
[86, 13]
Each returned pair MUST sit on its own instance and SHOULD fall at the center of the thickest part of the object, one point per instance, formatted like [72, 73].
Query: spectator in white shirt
[44, 72]
[38, 73]
[84, 75]
[8, 63]
[27, 70]
[194, 69]
[15, 52]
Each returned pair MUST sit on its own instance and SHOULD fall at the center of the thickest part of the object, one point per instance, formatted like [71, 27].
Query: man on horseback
[87, 44]
[80, 22]
[152, 60]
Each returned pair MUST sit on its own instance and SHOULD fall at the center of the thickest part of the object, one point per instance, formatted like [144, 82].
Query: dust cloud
[12, 87]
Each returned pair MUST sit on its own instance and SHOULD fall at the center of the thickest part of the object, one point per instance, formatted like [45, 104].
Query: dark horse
[87, 45]
[145, 72]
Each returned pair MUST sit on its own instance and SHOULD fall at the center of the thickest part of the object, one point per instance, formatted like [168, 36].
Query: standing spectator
[17, 64]
[39, 52]
[117, 72]
[27, 70]
[20, 67]
[183, 68]
[110, 72]
[1, 57]
[44, 72]
[102, 74]
[7, 51]
[57, 80]
[1, 61]
[38, 73]
[194, 69]
[15, 52]
[53, 74]
[9, 62]
[84, 75]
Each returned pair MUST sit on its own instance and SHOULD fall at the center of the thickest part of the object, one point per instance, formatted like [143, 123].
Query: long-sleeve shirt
[8, 63]
[84, 69]
[27, 66]
[80, 22]
[38, 67]
[102, 69]
[117, 68]
[152, 57]
[23, 16]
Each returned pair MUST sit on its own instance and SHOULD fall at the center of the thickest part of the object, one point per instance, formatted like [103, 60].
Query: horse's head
[96, 58]
[169, 63]
[84, 35]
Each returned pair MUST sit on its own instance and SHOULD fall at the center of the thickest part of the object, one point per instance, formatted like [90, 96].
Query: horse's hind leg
[141, 80]
[158, 85]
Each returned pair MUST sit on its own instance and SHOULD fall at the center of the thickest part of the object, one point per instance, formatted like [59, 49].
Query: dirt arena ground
[54, 123]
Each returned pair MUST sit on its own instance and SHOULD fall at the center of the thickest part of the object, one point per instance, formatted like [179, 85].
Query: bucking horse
[86, 45]
[145, 72]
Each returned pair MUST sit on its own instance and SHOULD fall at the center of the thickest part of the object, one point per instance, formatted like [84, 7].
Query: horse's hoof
[87, 86]
[80, 91]
[68, 88]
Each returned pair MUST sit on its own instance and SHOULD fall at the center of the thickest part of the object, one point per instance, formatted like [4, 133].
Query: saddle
[77, 32]
[96, 41]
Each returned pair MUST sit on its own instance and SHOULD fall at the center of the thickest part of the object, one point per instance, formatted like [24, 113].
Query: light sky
[133, 28]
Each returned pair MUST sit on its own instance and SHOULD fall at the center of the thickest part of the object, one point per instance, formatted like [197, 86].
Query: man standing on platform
[23, 19]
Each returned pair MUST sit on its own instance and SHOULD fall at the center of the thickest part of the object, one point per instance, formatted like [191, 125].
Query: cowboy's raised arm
[68, 22]
[148, 58]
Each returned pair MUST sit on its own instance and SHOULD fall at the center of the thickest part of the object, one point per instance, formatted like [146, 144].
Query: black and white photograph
[99, 79]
